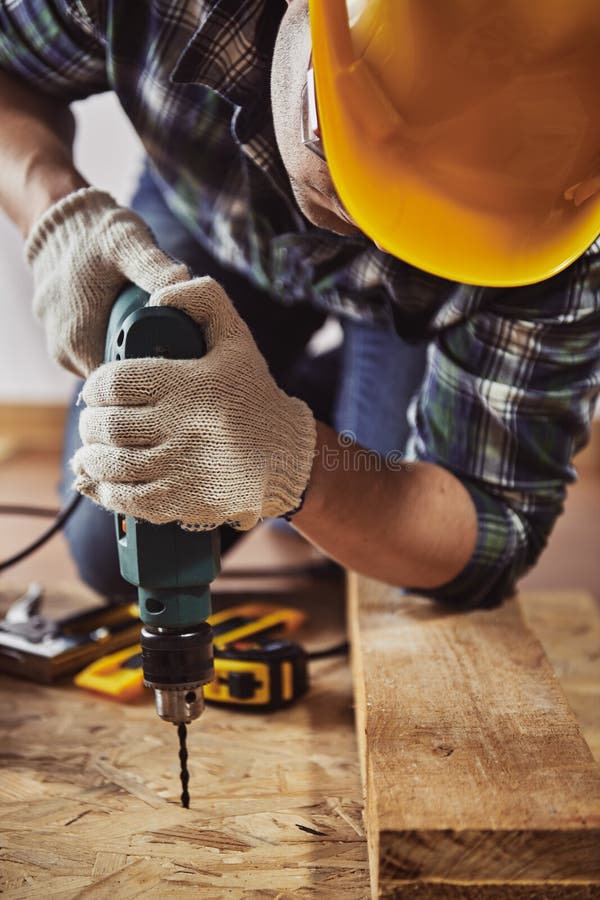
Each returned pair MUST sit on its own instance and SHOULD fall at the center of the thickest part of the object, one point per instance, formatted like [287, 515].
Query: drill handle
[136, 330]
[172, 568]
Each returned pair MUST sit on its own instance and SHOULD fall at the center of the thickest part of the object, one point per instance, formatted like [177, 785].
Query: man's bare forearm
[36, 163]
[412, 524]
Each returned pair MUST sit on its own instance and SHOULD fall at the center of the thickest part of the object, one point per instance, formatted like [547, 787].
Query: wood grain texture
[89, 791]
[28, 426]
[568, 625]
[478, 780]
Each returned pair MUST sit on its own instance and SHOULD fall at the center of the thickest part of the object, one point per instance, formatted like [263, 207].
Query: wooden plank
[478, 781]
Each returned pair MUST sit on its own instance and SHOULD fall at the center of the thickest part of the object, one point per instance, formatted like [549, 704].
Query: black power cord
[338, 650]
[15, 509]
[61, 517]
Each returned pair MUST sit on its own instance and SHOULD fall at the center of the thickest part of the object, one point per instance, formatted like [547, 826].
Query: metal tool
[42, 649]
[171, 568]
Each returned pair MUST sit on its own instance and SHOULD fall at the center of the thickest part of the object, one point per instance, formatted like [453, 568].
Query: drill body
[171, 568]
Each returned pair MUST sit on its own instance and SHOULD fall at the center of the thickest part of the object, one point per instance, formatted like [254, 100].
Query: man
[217, 92]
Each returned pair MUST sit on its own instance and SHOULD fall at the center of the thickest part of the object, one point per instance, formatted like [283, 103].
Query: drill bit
[183, 755]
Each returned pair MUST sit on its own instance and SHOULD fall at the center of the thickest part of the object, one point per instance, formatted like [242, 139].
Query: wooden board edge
[361, 727]
[526, 890]
[31, 427]
[563, 855]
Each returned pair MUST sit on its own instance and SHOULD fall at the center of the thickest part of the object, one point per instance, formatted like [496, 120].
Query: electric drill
[171, 568]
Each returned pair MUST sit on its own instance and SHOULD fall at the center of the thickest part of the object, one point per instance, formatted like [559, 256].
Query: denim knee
[91, 536]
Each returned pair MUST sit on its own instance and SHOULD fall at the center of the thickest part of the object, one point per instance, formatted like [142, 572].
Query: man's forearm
[36, 165]
[406, 524]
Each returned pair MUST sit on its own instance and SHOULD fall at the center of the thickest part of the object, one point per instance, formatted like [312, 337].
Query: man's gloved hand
[82, 251]
[200, 441]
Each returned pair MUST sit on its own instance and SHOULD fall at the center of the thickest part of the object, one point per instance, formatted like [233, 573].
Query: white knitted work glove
[200, 441]
[82, 251]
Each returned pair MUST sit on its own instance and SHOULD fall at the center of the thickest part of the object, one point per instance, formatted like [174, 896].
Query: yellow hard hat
[463, 136]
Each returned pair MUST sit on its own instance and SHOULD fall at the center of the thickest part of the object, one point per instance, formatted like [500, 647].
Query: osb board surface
[89, 795]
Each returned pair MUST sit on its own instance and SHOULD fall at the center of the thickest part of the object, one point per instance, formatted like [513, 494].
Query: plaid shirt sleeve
[52, 45]
[507, 400]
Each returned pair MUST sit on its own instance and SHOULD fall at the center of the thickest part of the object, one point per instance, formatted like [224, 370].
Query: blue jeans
[380, 375]
[364, 388]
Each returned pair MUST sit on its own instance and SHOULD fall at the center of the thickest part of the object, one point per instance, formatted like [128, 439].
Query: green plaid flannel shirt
[512, 375]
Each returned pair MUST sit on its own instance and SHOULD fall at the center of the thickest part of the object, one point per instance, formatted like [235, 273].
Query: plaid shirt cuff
[501, 555]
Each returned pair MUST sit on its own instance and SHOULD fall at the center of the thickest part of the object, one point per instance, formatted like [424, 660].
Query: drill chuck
[179, 706]
[177, 663]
